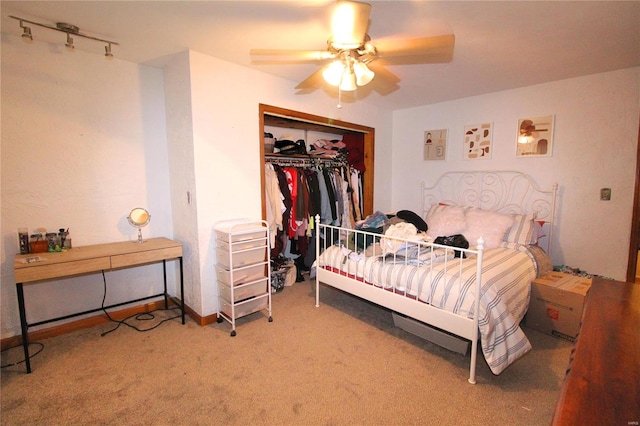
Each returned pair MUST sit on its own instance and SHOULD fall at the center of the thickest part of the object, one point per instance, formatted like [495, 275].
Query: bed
[509, 225]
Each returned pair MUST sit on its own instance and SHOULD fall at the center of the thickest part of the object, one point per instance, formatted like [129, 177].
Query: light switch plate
[605, 194]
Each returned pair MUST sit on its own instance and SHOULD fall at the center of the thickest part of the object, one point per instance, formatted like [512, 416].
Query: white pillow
[443, 221]
[491, 226]
[522, 230]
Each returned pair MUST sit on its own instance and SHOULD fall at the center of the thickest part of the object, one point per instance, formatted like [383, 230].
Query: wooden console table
[90, 259]
[602, 385]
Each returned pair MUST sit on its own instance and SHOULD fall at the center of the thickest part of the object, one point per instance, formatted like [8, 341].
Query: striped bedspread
[506, 275]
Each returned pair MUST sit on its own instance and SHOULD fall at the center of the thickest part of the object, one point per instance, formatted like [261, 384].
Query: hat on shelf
[289, 147]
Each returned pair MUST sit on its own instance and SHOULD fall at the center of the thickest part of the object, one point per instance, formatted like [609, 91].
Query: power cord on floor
[142, 316]
[23, 360]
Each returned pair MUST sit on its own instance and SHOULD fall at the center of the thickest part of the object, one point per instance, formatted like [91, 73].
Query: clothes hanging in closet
[305, 192]
[275, 205]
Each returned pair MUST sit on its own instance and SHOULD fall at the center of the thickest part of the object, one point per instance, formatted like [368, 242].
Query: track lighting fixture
[26, 32]
[69, 42]
[68, 29]
[107, 51]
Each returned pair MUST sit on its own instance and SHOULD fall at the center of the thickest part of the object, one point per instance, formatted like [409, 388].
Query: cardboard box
[556, 305]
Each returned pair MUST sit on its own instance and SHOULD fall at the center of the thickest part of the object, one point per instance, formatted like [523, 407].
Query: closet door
[288, 119]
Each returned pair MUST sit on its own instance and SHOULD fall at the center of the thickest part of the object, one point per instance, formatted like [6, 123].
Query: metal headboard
[507, 192]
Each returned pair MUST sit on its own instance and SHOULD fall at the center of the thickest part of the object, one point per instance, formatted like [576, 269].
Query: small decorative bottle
[23, 240]
[65, 239]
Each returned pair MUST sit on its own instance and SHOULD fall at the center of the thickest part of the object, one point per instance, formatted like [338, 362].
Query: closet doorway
[272, 116]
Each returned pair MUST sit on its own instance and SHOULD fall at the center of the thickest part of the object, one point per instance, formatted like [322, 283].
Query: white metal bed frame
[505, 192]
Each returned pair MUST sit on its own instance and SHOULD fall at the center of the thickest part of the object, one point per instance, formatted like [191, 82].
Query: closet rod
[304, 162]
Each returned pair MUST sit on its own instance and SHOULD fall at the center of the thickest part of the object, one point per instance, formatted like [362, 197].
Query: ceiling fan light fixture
[363, 74]
[333, 73]
[348, 82]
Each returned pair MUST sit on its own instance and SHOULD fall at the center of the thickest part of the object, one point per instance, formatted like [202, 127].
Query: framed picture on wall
[535, 137]
[435, 144]
[477, 141]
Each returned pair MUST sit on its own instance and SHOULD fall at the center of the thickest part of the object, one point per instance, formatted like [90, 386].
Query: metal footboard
[392, 272]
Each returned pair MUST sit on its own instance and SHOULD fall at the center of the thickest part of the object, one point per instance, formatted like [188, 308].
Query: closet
[295, 122]
[339, 159]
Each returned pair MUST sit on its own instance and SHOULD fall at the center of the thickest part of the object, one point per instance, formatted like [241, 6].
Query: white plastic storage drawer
[242, 275]
[241, 258]
[240, 231]
[244, 291]
[246, 308]
[242, 245]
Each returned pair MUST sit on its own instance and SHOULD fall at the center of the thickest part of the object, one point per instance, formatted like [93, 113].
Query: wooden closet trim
[634, 242]
[282, 117]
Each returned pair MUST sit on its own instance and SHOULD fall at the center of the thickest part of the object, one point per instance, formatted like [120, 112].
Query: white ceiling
[499, 45]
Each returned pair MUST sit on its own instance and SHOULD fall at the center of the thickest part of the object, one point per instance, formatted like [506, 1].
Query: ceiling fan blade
[425, 50]
[311, 83]
[349, 24]
[385, 81]
[288, 55]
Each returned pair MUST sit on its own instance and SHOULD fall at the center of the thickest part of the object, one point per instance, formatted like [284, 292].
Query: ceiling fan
[352, 60]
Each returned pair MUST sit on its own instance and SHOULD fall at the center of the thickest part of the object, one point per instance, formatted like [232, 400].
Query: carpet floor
[344, 363]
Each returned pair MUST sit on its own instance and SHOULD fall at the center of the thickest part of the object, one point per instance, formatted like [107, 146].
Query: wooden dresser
[602, 386]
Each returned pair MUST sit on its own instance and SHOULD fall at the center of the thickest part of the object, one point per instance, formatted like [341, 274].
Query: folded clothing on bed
[399, 235]
[419, 255]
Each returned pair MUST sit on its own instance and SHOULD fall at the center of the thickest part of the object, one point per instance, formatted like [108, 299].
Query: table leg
[166, 296]
[181, 290]
[23, 326]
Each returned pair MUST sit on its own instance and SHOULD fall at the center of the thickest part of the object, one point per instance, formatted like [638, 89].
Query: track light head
[107, 51]
[69, 42]
[26, 32]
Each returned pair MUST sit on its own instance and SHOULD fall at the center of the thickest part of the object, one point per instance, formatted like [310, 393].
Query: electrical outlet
[605, 194]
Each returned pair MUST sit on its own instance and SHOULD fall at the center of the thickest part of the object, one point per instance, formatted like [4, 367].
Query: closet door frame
[286, 118]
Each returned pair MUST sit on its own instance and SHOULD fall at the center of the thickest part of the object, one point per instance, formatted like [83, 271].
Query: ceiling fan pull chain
[339, 98]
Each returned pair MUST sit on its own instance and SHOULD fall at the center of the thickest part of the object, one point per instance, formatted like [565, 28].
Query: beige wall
[84, 140]
[595, 146]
